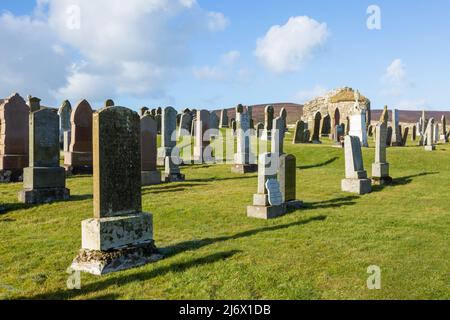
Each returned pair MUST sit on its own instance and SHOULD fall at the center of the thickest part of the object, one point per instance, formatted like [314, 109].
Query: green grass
[213, 251]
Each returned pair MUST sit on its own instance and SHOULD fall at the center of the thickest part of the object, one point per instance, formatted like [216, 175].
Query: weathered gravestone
[14, 114]
[267, 170]
[79, 157]
[287, 177]
[143, 111]
[120, 236]
[299, 134]
[64, 119]
[380, 169]
[338, 136]
[109, 103]
[355, 176]
[396, 131]
[277, 136]
[34, 103]
[268, 122]
[259, 129]
[44, 180]
[149, 173]
[430, 135]
[168, 134]
[358, 127]
[314, 128]
[444, 137]
[224, 119]
[185, 125]
[389, 136]
[414, 133]
[405, 136]
[275, 197]
[202, 148]
[243, 158]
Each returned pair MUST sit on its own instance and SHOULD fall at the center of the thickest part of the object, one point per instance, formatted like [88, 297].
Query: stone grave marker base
[46, 195]
[151, 178]
[244, 168]
[358, 186]
[263, 212]
[103, 262]
[178, 177]
[294, 204]
[381, 181]
[430, 148]
[78, 162]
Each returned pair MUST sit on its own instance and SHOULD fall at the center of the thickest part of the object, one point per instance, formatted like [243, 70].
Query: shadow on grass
[402, 181]
[224, 179]
[333, 203]
[323, 164]
[198, 244]
[166, 188]
[10, 207]
[119, 281]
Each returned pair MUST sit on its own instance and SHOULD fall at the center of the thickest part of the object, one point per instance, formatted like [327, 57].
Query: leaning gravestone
[64, 119]
[168, 134]
[120, 236]
[44, 180]
[380, 169]
[355, 176]
[79, 157]
[14, 136]
[262, 208]
[150, 174]
[242, 161]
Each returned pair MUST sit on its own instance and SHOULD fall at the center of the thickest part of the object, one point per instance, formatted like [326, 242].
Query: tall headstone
[185, 125]
[443, 136]
[355, 176]
[64, 119]
[405, 134]
[79, 157]
[268, 122]
[314, 128]
[259, 129]
[385, 116]
[44, 180]
[120, 236]
[202, 148]
[243, 158]
[430, 135]
[287, 178]
[14, 114]
[262, 207]
[358, 127]
[414, 133]
[277, 139]
[389, 136]
[224, 119]
[168, 134]
[250, 116]
[396, 132]
[149, 172]
[380, 168]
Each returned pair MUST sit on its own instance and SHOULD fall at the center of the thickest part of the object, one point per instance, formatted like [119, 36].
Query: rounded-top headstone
[283, 113]
[240, 108]
[81, 122]
[109, 103]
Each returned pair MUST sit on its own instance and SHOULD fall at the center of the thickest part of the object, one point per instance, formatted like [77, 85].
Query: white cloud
[114, 49]
[395, 80]
[289, 47]
[227, 70]
[307, 95]
[217, 21]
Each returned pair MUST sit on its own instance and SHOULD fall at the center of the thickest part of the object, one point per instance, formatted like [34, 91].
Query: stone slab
[151, 178]
[261, 212]
[100, 263]
[115, 232]
[45, 195]
[380, 170]
[358, 186]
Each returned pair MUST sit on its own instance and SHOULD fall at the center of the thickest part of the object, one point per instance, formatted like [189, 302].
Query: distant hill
[412, 116]
[295, 112]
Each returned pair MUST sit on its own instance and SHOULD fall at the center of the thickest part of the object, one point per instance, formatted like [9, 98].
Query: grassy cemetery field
[213, 251]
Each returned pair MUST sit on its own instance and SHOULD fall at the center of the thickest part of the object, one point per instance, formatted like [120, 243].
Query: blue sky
[205, 53]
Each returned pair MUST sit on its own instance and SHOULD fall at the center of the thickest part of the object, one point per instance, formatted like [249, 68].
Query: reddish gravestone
[149, 174]
[14, 115]
[79, 157]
